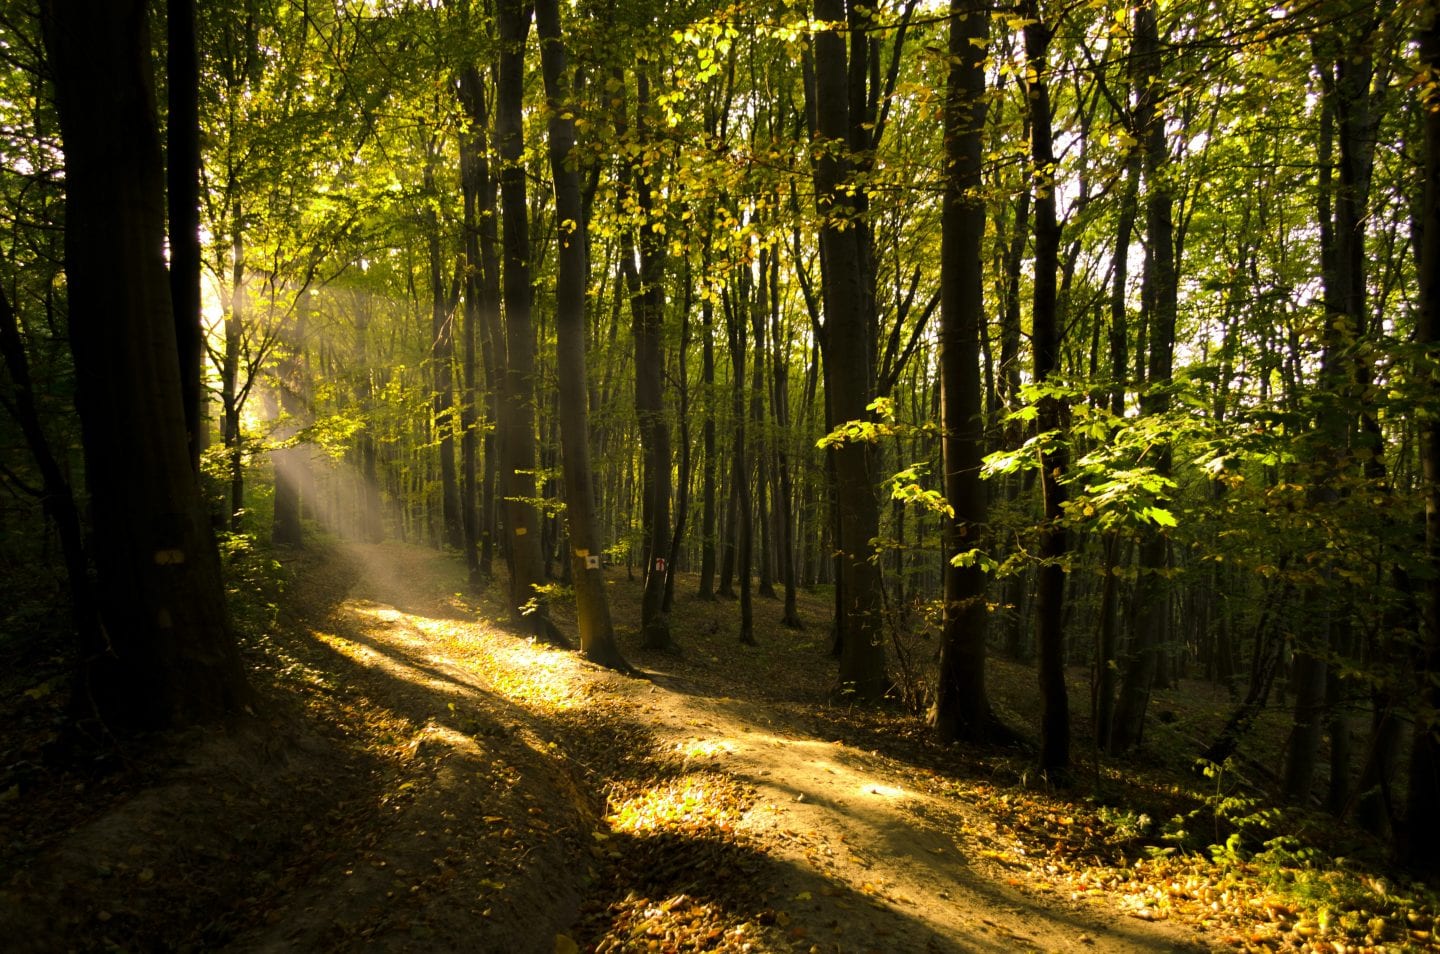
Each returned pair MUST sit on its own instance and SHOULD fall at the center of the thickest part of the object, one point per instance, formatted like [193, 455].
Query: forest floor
[417, 776]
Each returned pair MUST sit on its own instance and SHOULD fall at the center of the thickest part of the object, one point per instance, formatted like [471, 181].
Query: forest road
[542, 802]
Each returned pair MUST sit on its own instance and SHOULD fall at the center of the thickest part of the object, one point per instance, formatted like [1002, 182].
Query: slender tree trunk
[472, 148]
[682, 501]
[727, 537]
[442, 358]
[230, 373]
[962, 706]
[707, 478]
[780, 349]
[1422, 845]
[1161, 299]
[182, 171]
[740, 467]
[849, 352]
[1045, 337]
[522, 521]
[291, 468]
[647, 305]
[592, 606]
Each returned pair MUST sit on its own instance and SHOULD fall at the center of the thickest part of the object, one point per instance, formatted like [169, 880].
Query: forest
[1036, 401]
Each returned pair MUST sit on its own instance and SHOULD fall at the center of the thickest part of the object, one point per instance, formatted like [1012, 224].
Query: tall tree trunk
[1045, 338]
[168, 655]
[182, 173]
[707, 477]
[1422, 845]
[1346, 68]
[849, 353]
[1103, 702]
[230, 373]
[760, 306]
[740, 464]
[482, 249]
[1160, 296]
[682, 501]
[647, 304]
[780, 349]
[522, 521]
[442, 384]
[291, 467]
[962, 706]
[592, 606]
[472, 148]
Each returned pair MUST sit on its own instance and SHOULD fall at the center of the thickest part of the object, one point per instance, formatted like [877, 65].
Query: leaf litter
[420, 778]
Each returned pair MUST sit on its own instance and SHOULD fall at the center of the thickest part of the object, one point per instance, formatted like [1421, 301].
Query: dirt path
[418, 778]
[799, 842]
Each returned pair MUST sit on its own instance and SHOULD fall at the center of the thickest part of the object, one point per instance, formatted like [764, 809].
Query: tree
[1422, 846]
[847, 340]
[962, 707]
[1046, 334]
[645, 283]
[518, 415]
[182, 171]
[1159, 296]
[592, 606]
[167, 655]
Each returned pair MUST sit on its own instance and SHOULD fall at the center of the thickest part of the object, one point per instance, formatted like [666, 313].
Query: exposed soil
[417, 777]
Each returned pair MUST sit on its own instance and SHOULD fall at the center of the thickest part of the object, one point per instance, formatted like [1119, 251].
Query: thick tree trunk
[962, 706]
[168, 655]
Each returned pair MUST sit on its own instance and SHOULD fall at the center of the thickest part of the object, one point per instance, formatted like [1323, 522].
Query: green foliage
[255, 583]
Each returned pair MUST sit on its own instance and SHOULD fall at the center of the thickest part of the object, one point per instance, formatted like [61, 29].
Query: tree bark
[962, 705]
[167, 655]
[518, 414]
[442, 377]
[472, 148]
[592, 606]
[848, 349]
[647, 304]
[1422, 821]
[707, 474]
[230, 372]
[1161, 302]
[1045, 341]
[182, 172]
[739, 462]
